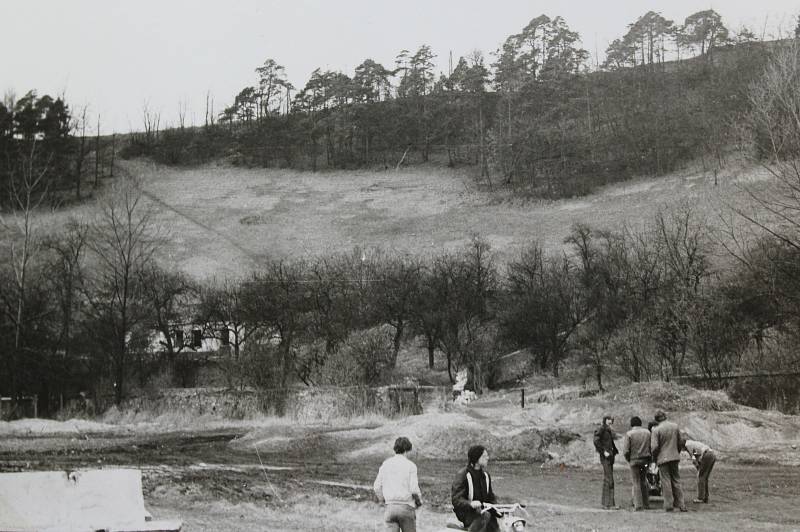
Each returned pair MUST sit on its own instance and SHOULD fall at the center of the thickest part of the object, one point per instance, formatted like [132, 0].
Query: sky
[115, 57]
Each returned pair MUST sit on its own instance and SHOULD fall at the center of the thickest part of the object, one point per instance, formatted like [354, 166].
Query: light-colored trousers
[671, 485]
[400, 517]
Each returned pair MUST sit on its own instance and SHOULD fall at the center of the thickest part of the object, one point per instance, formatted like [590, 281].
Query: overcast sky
[116, 55]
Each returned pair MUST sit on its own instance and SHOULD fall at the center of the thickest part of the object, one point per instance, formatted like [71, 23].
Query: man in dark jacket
[605, 447]
[666, 443]
[472, 488]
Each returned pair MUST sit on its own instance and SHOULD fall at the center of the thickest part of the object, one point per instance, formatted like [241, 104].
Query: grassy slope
[222, 221]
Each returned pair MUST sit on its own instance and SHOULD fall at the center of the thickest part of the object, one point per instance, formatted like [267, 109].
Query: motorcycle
[653, 480]
[510, 517]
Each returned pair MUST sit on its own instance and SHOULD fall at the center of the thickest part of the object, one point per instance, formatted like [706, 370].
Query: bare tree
[123, 241]
[82, 150]
[278, 299]
[167, 294]
[546, 305]
[68, 248]
[182, 114]
[27, 192]
[97, 153]
[209, 110]
[113, 154]
[152, 120]
[774, 133]
[398, 285]
[223, 313]
[65, 267]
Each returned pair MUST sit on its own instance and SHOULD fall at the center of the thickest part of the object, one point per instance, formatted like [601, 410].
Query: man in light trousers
[666, 443]
[398, 488]
[636, 450]
[703, 459]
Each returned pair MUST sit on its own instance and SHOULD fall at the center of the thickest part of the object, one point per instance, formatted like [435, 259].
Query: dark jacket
[604, 441]
[471, 485]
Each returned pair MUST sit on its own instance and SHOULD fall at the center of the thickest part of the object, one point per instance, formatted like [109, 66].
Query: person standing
[666, 443]
[605, 447]
[636, 450]
[703, 459]
[397, 487]
[471, 489]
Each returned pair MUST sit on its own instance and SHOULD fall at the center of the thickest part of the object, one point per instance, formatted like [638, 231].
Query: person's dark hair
[475, 452]
[651, 424]
[402, 445]
[606, 418]
[636, 421]
[660, 416]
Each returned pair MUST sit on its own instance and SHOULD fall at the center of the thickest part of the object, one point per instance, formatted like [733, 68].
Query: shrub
[364, 358]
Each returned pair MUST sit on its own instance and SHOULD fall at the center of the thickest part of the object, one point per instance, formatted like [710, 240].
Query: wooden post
[522, 397]
[97, 153]
[113, 153]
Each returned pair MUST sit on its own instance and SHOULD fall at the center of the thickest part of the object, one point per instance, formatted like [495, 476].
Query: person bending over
[703, 459]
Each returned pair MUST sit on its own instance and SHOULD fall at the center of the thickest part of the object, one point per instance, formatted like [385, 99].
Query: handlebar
[502, 508]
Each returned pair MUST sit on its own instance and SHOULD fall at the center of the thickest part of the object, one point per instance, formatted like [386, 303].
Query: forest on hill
[537, 119]
[533, 117]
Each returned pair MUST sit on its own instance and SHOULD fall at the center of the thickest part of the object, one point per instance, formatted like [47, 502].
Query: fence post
[522, 397]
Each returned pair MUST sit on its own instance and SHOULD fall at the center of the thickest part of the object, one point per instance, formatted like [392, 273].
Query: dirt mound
[529, 444]
[560, 431]
[672, 397]
[449, 435]
[39, 427]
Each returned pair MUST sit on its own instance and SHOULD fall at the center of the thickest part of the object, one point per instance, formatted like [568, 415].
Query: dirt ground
[211, 484]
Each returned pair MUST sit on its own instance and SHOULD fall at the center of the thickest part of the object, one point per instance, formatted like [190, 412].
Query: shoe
[698, 501]
[610, 507]
[669, 509]
[684, 509]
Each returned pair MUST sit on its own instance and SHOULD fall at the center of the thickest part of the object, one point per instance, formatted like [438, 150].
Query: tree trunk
[97, 153]
[113, 153]
[79, 166]
[431, 350]
[450, 369]
[398, 335]
[599, 374]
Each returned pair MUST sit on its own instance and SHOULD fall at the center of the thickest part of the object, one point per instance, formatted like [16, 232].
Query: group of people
[397, 487]
[660, 444]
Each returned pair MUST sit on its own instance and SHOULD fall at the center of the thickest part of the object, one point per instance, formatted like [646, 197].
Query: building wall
[189, 332]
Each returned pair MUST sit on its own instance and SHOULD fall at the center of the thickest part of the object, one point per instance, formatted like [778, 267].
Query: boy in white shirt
[398, 488]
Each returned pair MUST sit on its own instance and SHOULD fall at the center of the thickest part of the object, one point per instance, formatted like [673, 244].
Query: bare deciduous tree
[80, 126]
[123, 241]
[24, 242]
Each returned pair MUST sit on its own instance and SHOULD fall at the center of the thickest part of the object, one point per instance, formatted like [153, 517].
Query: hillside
[222, 221]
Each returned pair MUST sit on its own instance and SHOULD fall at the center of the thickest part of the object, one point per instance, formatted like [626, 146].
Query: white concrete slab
[109, 499]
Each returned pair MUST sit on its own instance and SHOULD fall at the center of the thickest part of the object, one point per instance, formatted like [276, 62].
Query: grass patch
[422, 210]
